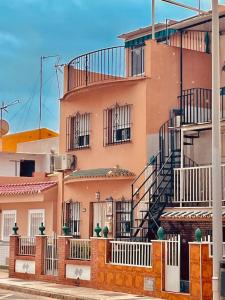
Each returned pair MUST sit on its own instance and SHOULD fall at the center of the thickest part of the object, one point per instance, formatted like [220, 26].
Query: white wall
[7, 164]
[39, 146]
[201, 151]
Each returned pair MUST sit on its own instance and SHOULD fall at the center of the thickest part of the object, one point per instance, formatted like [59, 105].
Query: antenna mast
[4, 108]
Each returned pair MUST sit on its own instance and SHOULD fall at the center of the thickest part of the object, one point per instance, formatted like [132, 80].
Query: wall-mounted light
[97, 196]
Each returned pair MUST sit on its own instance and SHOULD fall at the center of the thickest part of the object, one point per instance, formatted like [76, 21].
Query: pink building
[137, 121]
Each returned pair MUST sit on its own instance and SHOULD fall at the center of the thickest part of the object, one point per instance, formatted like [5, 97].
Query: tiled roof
[101, 172]
[188, 214]
[25, 188]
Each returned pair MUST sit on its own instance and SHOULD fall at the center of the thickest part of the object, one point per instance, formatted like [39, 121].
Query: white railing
[194, 185]
[4, 253]
[27, 246]
[131, 253]
[80, 249]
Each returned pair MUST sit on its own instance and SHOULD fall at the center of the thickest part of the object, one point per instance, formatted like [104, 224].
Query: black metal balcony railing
[196, 105]
[105, 64]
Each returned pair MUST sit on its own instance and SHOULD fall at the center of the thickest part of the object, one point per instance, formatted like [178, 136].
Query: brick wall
[121, 278]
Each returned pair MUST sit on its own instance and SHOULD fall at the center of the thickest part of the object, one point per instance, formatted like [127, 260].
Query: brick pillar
[100, 254]
[63, 255]
[13, 252]
[200, 271]
[158, 265]
[40, 254]
[195, 270]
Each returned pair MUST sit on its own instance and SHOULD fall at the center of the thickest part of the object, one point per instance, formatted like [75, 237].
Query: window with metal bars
[137, 60]
[36, 217]
[72, 217]
[117, 125]
[8, 221]
[78, 131]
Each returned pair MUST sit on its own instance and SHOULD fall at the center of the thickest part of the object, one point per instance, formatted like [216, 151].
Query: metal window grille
[36, 218]
[78, 131]
[9, 219]
[117, 125]
[123, 214]
[72, 217]
[137, 60]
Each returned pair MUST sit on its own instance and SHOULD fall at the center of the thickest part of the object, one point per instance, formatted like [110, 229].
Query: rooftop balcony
[109, 64]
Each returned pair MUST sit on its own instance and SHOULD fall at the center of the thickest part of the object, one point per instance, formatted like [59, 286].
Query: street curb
[37, 292]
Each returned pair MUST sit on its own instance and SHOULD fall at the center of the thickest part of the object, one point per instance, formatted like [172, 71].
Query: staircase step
[140, 228]
[191, 136]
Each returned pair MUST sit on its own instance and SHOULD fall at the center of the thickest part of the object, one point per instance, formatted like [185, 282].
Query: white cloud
[8, 38]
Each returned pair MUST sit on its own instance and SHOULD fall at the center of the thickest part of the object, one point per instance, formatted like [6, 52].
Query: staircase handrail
[152, 184]
[148, 164]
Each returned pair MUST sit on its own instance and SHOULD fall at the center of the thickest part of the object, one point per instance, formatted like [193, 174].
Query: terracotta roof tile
[100, 172]
[25, 188]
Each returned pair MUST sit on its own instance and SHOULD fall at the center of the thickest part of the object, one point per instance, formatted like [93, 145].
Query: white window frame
[30, 211]
[4, 212]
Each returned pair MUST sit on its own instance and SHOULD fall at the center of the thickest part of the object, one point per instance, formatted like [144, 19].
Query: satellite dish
[4, 127]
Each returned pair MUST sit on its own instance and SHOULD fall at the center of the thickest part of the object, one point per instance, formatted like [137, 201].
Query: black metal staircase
[155, 190]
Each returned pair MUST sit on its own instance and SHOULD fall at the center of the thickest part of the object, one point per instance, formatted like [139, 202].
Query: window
[72, 217]
[8, 221]
[78, 131]
[117, 125]
[137, 60]
[35, 218]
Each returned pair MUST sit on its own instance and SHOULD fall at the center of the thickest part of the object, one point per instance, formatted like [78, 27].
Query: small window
[78, 131]
[36, 217]
[137, 60]
[117, 125]
[72, 217]
[8, 221]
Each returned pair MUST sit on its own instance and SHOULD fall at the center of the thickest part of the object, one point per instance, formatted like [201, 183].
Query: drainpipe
[181, 64]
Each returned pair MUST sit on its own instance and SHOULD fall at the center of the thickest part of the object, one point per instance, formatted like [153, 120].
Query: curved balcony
[107, 64]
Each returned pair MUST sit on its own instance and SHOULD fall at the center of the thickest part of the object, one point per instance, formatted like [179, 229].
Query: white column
[216, 153]
[153, 19]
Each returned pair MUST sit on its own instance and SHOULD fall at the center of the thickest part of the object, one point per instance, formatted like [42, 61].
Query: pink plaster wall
[94, 100]
[84, 192]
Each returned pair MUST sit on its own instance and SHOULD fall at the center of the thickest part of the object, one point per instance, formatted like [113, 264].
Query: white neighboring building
[31, 157]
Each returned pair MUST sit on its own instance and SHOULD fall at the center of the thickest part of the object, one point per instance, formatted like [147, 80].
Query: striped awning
[190, 214]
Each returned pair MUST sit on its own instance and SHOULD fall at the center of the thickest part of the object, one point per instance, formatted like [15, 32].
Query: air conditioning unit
[64, 162]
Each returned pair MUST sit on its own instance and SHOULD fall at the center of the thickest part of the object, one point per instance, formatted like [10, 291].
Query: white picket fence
[80, 249]
[131, 253]
[27, 246]
[194, 185]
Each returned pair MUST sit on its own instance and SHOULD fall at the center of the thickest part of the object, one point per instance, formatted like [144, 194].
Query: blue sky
[31, 28]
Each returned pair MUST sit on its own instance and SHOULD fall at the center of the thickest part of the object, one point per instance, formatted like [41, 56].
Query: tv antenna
[4, 126]
[42, 58]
